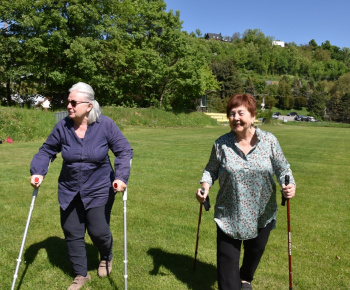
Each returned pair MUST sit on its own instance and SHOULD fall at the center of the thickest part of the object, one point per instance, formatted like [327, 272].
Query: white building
[278, 42]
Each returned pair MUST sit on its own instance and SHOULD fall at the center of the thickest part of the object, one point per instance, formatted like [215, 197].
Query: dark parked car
[292, 114]
[299, 117]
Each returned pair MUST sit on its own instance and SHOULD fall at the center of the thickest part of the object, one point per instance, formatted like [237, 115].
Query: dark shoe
[105, 268]
[246, 286]
[79, 281]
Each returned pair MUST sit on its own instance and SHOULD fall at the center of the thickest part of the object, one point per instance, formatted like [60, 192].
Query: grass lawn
[163, 215]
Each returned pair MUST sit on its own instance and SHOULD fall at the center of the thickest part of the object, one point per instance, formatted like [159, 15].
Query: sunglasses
[75, 103]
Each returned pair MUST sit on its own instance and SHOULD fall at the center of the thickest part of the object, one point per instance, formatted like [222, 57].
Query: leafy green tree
[284, 91]
[345, 108]
[249, 86]
[338, 104]
[68, 41]
[316, 104]
[296, 86]
[313, 44]
[256, 36]
[322, 55]
[228, 77]
[132, 52]
[164, 69]
[299, 102]
[12, 60]
[334, 108]
[270, 102]
[341, 86]
[198, 33]
[259, 84]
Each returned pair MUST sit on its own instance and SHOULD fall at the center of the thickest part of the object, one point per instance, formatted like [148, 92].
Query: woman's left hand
[118, 185]
[288, 191]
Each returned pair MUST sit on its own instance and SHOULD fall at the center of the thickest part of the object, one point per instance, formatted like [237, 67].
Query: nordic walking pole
[35, 193]
[198, 229]
[289, 236]
[125, 198]
[206, 204]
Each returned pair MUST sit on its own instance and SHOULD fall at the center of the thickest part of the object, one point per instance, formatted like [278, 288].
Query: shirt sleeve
[211, 171]
[280, 164]
[122, 151]
[47, 153]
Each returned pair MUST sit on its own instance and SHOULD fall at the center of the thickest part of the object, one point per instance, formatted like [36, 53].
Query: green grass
[163, 215]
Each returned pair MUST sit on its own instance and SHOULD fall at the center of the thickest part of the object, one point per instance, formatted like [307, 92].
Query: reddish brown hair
[245, 100]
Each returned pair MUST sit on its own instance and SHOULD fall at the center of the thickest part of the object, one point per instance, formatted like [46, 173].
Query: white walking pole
[35, 193]
[125, 198]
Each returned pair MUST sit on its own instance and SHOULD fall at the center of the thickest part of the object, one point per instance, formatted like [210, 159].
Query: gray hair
[89, 93]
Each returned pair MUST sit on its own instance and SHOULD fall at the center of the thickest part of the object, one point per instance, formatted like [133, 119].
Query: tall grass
[25, 124]
[28, 124]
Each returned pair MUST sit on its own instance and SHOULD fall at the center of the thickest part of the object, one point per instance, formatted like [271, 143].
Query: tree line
[135, 54]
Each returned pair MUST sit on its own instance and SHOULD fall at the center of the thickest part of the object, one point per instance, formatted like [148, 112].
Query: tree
[236, 37]
[342, 85]
[198, 33]
[299, 102]
[228, 77]
[68, 41]
[256, 36]
[131, 52]
[284, 91]
[338, 108]
[164, 70]
[12, 59]
[249, 86]
[316, 104]
[313, 44]
[338, 104]
[322, 55]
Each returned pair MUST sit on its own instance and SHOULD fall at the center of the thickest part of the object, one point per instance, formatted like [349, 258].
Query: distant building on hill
[213, 36]
[279, 43]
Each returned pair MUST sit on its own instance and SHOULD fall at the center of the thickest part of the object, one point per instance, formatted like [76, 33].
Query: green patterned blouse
[246, 200]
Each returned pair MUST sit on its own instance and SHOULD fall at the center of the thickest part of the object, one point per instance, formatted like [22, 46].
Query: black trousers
[228, 254]
[75, 220]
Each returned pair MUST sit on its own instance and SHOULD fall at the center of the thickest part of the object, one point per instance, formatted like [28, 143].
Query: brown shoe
[79, 281]
[105, 268]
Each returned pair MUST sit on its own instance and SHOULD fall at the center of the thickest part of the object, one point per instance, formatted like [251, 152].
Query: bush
[267, 115]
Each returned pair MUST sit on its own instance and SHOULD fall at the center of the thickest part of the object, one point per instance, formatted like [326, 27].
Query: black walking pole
[289, 236]
[206, 204]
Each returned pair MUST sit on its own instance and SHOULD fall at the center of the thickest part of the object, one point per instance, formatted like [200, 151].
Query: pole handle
[286, 182]
[206, 203]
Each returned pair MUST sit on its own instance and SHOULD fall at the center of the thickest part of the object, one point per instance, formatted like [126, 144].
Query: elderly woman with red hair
[245, 161]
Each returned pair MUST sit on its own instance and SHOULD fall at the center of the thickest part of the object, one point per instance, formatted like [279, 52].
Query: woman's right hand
[36, 180]
[201, 197]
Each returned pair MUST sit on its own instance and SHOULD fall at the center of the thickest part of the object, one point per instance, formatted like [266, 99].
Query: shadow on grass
[182, 267]
[57, 254]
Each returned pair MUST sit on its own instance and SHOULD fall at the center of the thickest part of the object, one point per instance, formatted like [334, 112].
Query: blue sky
[296, 21]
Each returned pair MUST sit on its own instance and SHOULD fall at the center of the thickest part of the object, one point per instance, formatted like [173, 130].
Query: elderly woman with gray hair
[85, 190]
